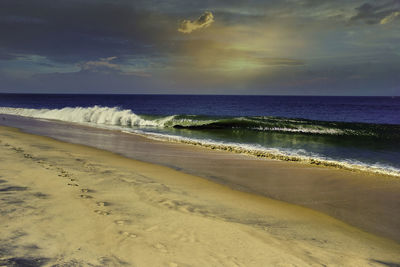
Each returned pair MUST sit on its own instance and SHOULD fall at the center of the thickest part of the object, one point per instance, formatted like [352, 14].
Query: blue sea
[344, 132]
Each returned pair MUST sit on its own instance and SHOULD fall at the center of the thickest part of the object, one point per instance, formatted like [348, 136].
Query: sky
[260, 47]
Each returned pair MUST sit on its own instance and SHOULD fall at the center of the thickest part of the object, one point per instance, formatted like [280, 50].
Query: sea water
[345, 132]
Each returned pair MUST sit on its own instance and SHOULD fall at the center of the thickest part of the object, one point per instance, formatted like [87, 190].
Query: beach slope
[63, 204]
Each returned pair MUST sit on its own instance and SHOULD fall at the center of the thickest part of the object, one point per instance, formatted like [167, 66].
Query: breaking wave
[118, 117]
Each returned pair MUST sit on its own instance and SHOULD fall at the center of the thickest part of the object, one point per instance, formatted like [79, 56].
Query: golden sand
[73, 205]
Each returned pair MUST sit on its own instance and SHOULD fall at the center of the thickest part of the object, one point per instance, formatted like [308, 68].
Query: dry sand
[70, 205]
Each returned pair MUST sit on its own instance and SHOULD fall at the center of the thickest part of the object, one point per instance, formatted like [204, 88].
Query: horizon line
[36, 93]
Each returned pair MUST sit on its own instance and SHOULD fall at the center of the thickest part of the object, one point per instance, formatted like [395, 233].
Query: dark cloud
[95, 45]
[377, 12]
[70, 31]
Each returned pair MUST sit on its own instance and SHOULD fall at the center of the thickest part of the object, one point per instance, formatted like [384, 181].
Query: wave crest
[96, 115]
[115, 116]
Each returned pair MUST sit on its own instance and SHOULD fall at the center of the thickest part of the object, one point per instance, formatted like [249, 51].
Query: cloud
[101, 65]
[105, 66]
[390, 17]
[204, 21]
[377, 14]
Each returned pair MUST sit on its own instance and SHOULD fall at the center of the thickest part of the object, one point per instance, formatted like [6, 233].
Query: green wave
[277, 124]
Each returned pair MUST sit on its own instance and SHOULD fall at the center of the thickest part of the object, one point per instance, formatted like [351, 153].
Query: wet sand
[64, 204]
[368, 201]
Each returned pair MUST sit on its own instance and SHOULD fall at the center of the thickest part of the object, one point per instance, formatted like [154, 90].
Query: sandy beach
[64, 204]
[199, 133]
[362, 199]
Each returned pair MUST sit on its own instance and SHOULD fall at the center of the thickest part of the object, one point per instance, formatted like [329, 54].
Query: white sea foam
[93, 115]
[301, 130]
[125, 117]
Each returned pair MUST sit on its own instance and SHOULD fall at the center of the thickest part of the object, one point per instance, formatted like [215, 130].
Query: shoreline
[72, 204]
[369, 202]
[260, 153]
[240, 148]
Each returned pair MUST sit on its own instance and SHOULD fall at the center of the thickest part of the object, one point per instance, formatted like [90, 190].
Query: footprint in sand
[121, 222]
[128, 234]
[86, 190]
[47, 166]
[18, 149]
[102, 212]
[102, 204]
[72, 184]
[86, 196]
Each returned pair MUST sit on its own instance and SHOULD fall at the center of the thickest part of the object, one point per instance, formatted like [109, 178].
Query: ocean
[344, 132]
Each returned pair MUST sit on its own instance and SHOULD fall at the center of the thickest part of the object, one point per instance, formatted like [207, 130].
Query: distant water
[349, 132]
